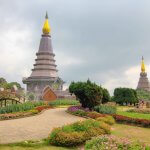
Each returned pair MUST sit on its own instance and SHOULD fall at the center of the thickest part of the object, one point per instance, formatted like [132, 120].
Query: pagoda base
[37, 85]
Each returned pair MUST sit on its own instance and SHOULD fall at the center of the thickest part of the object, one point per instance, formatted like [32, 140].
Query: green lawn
[134, 115]
[32, 145]
[122, 110]
[132, 132]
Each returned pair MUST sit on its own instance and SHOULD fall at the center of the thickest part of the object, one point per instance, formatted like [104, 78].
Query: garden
[109, 122]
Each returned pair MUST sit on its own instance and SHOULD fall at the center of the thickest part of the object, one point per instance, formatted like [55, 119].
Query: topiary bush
[88, 93]
[106, 109]
[78, 132]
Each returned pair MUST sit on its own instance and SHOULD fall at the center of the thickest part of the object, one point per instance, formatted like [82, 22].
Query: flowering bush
[78, 110]
[129, 120]
[75, 108]
[95, 115]
[40, 108]
[78, 132]
[107, 119]
[113, 143]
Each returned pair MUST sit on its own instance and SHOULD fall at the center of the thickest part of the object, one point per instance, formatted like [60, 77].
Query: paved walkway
[35, 127]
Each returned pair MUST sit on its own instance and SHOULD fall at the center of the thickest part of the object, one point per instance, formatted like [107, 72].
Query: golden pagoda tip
[142, 65]
[46, 27]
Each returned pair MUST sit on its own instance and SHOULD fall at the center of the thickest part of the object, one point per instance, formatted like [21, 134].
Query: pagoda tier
[45, 64]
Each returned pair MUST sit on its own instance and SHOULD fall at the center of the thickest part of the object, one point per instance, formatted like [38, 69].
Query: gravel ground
[35, 127]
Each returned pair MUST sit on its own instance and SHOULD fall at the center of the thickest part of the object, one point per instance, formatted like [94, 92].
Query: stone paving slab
[35, 127]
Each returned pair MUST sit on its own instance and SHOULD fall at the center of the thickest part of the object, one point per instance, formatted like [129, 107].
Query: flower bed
[78, 110]
[15, 115]
[113, 143]
[129, 120]
[78, 132]
[18, 114]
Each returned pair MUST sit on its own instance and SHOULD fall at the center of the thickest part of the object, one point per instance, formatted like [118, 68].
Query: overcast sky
[103, 40]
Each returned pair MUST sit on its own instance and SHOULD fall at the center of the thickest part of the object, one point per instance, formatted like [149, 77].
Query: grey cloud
[106, 35]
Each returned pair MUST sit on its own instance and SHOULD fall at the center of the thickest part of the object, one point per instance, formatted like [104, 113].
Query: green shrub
[20, 107]
[107, 119]
[60, 102]
[106, 96]
[106, 109]
[78, 132]
[125, 95]
[80, 113]
[88, 93]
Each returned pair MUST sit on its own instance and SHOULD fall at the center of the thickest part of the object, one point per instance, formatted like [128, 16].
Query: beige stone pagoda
[143, 83]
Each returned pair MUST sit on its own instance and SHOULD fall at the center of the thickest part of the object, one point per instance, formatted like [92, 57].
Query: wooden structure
[49, 94]
[9, 98]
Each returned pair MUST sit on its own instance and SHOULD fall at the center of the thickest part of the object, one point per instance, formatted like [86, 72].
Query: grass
[122, 110]
[132, 132]
[134, 115]
[32, 145]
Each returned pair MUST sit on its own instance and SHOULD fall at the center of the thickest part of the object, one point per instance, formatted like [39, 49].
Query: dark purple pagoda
[44, 74]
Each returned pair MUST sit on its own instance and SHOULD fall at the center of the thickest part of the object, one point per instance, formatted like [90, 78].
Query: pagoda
[44, 74]
[143, 81]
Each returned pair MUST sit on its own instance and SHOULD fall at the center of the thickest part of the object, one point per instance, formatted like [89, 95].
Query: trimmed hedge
[129, 120]
[78, 132]
[106, 109]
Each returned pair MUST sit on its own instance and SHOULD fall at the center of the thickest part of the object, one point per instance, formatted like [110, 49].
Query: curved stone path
[35, 127]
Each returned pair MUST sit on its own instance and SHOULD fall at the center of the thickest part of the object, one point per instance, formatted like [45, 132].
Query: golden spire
[46, 28]
[142, 65]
